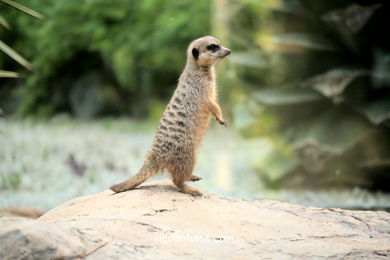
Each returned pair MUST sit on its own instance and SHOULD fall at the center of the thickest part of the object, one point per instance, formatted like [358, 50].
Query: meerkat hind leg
[189, 190]
[186, 188]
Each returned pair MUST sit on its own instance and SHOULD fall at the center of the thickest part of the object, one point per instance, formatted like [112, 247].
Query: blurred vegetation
[100, 57]
[315, 76]
[7, 49]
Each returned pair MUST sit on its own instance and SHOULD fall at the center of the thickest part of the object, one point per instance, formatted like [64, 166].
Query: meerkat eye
[213, 47]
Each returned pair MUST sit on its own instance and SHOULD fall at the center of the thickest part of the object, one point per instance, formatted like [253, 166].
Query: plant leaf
[335, 131]
[23, 8]
[9, 74]
[381, 70]
[289, 7]
[333, 82]
[378, 111]
[292, 42]
[352, 18]
[273, 170]
[286, 96]
[4, 22]
[14, 55]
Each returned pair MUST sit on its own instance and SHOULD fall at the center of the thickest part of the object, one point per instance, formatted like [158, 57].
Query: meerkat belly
[202, 124]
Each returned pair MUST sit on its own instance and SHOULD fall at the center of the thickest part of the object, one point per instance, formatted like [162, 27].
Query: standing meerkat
[185, 119]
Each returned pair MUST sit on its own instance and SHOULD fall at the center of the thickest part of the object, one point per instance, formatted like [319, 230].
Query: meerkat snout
[227, 51]
[218, 50]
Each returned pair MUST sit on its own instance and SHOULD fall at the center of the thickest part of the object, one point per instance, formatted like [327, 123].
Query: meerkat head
[206, 51]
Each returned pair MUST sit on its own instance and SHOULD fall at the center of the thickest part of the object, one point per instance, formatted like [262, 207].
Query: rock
[156, 221]
[22, 238]
[26, 212]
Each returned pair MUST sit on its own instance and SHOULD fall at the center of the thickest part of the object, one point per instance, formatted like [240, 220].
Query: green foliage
[8, 50]
[136, 49]
[322, 68]
[11, 181]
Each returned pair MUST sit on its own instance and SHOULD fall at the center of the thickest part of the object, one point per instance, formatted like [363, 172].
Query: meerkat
[185, 119]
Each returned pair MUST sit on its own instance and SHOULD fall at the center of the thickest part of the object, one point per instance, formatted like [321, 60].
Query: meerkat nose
[228, 51]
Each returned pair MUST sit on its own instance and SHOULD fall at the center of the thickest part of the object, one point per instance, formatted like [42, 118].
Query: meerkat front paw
[222, 122]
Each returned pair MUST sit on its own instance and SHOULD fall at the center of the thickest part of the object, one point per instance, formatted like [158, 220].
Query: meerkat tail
[143, 174]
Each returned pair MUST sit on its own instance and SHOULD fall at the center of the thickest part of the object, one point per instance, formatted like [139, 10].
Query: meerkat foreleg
[217, 113]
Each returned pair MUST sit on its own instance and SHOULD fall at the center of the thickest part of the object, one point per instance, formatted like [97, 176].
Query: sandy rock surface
[26, 212]
[156, 221]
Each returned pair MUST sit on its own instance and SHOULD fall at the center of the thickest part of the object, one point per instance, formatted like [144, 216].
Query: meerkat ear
[195, 53]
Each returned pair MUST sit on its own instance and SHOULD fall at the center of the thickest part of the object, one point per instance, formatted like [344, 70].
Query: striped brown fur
[185, 119]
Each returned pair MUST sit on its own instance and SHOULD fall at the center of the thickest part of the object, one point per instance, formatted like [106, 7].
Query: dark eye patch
[213, 47]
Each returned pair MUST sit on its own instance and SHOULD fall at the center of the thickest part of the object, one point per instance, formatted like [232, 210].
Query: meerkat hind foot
[195, 178]
[190, 190]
